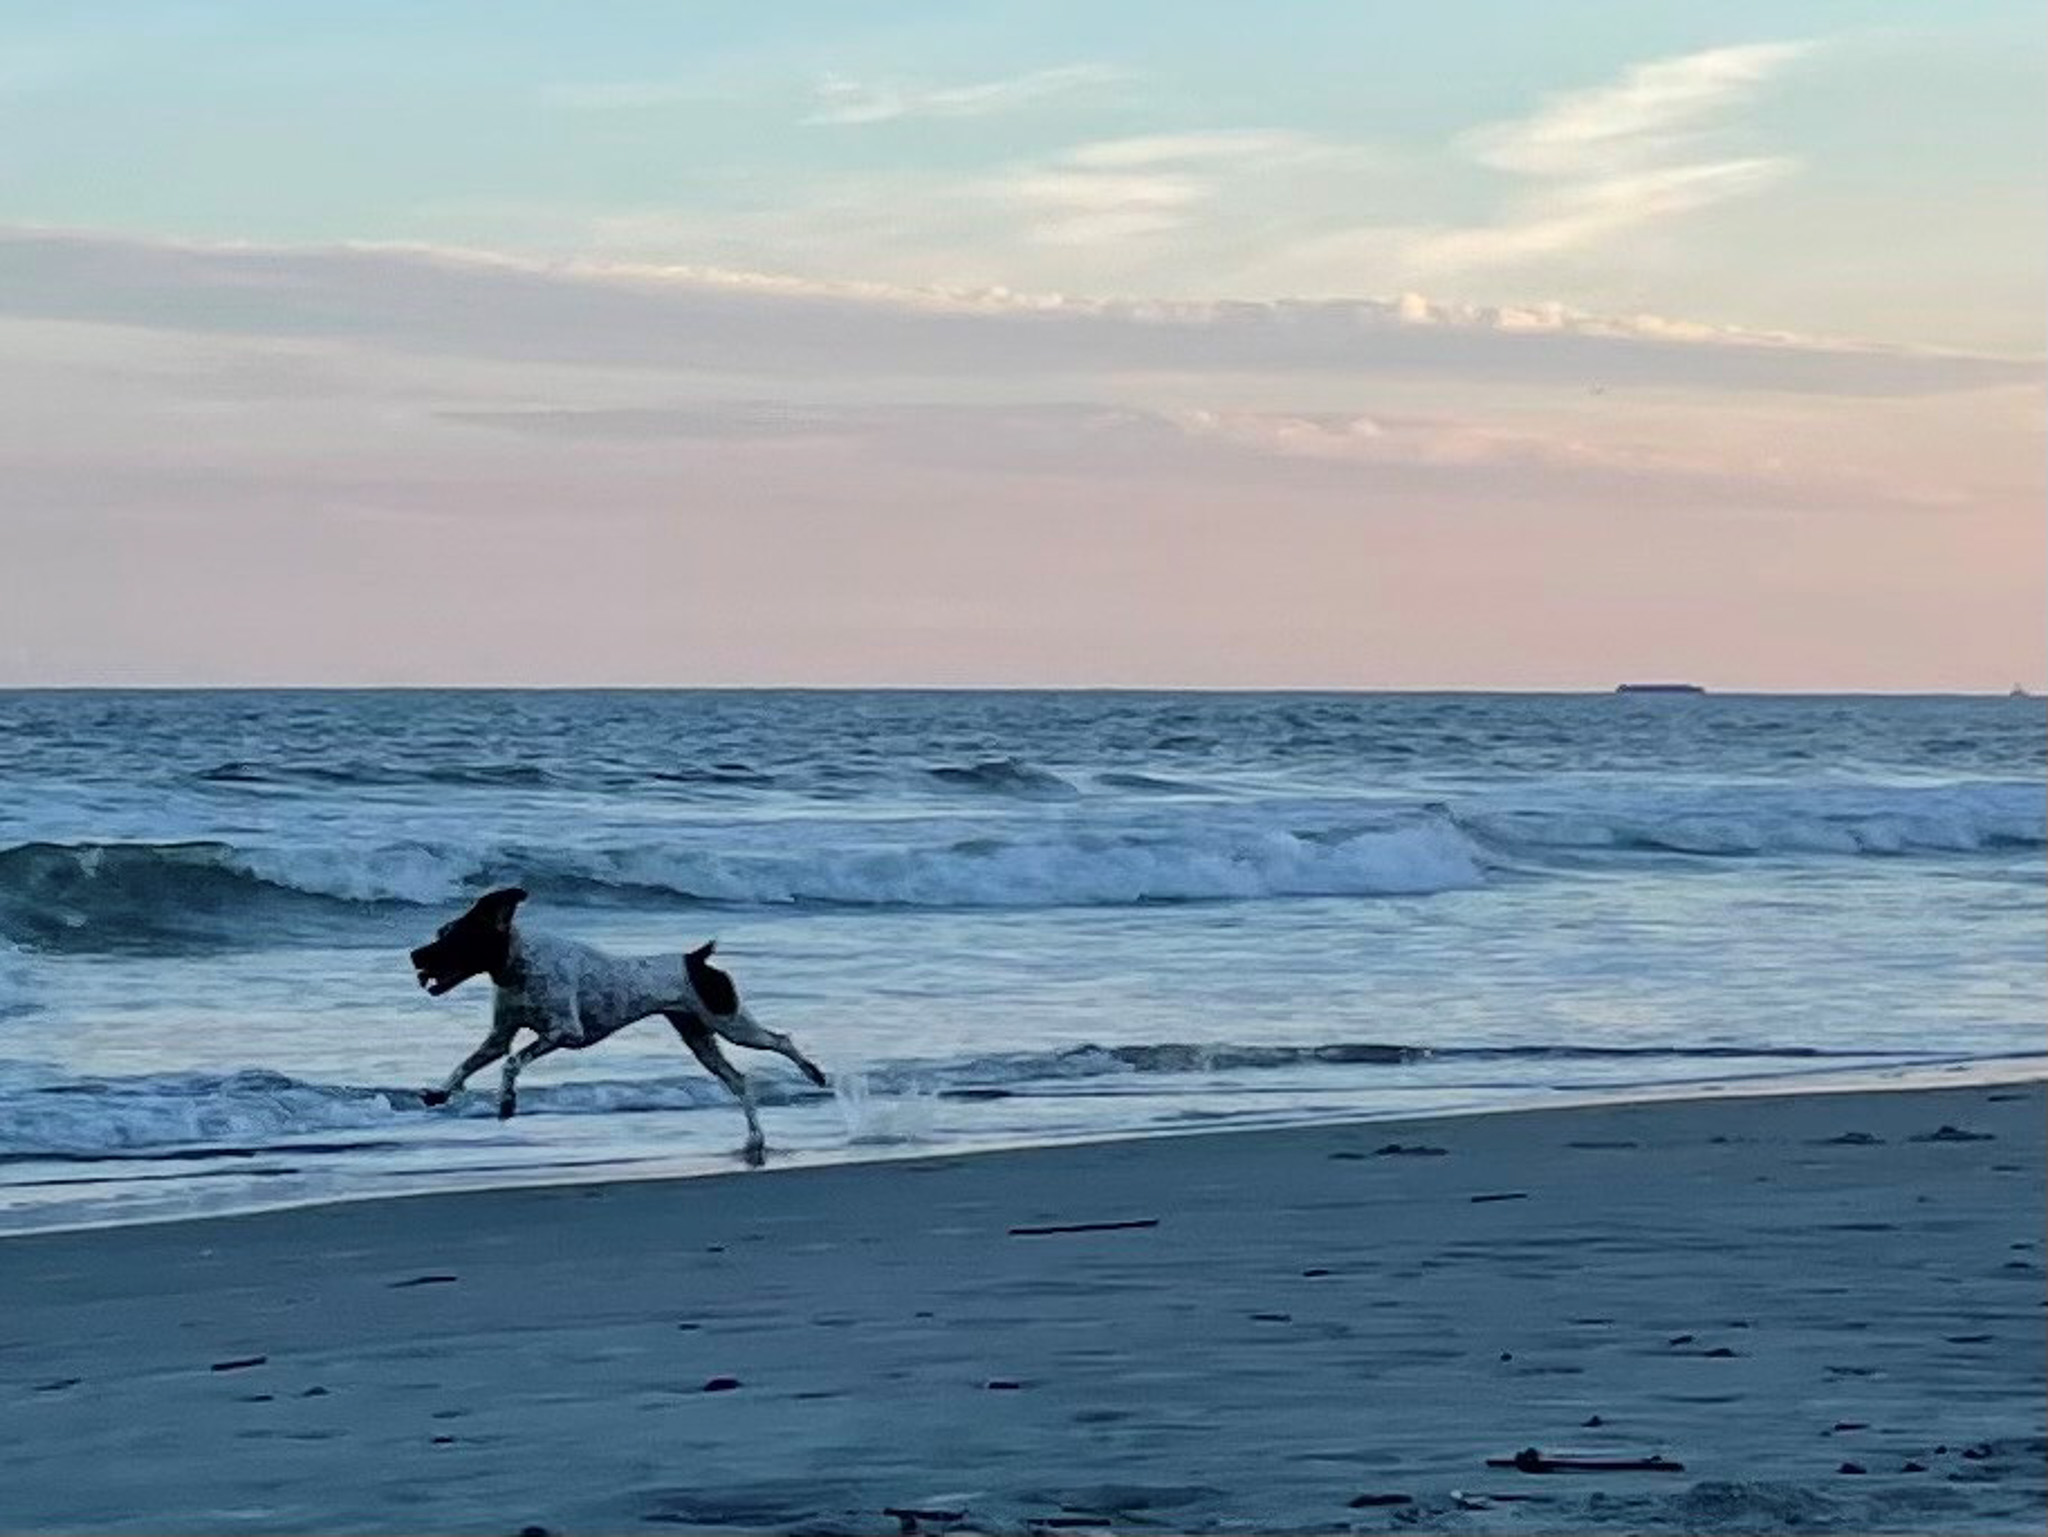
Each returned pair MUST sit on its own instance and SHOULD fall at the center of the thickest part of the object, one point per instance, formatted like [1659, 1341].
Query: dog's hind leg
[704, 1047]
[495, 1045]
[743, 1030]
[508, 1081]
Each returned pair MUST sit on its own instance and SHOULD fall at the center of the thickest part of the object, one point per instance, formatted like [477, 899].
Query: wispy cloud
[1113, 190]
[465, 304]
[1064, 438]
[1580, 215]
[1604, 161]
[852, 103]
[1643, 117]
[1227, 146]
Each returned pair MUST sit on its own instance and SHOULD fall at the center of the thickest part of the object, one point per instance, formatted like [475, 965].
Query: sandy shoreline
[1770, 1291]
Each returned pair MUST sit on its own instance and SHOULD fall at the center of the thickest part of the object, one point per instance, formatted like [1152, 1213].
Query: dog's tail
[712, 986]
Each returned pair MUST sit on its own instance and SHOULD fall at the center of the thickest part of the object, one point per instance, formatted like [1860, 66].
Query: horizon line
[2015, 690]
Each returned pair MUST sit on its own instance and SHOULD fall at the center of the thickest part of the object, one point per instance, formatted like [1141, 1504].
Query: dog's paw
[507, 1108]
[433, 1096]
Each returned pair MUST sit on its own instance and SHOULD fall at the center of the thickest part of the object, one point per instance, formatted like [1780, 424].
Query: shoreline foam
[904, 1091]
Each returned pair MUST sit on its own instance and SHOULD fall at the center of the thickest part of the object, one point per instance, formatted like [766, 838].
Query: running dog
[573, 995]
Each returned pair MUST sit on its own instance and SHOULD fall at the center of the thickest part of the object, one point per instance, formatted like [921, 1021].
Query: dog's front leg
[495, 1045]
[508, 1082]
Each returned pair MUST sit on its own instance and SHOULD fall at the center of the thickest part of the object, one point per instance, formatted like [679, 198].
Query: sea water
[995, 917]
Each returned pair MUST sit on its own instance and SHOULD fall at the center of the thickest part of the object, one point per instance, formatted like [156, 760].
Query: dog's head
[479, 941]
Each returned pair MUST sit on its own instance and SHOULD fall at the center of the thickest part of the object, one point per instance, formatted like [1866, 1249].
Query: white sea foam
[78, 895]
[407, 872]
[1077, 868]
[146, 1114]
[888, 1116]
[1083, 865]
[1234, 853]
[44, 1114]
[127, 1116]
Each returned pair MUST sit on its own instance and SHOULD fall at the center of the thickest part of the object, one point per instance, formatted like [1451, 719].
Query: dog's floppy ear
[498, 905]
[711, 985]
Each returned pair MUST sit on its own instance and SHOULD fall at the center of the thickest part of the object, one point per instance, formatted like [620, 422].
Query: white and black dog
[573, 995]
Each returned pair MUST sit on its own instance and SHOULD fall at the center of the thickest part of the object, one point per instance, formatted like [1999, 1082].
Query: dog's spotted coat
[572, 995]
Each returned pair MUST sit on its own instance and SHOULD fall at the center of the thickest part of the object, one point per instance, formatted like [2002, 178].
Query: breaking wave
[1780, 820]
[195, 1115]
[144, 895]
[149, 895]
[64, 896]
[150, 1115]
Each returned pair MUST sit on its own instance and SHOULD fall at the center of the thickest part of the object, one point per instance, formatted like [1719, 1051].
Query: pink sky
[496, 474]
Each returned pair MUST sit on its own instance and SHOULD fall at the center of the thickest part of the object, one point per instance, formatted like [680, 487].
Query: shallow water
[996, 917]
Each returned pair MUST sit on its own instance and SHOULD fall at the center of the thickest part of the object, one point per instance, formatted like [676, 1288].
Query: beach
[1805, 1310]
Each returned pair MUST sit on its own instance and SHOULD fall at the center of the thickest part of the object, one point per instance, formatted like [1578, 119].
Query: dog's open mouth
[434, 985]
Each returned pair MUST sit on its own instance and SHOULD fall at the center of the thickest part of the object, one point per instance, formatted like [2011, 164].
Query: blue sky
[1742, 262]
[693, 133]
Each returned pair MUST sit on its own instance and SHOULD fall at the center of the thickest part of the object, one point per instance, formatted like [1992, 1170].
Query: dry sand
[1830, 1311]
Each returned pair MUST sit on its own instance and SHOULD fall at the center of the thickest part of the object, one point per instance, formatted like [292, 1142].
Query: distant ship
[1659, 688]
[2019, 692]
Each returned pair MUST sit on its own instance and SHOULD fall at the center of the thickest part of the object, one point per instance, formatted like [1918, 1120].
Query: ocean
[995, 917]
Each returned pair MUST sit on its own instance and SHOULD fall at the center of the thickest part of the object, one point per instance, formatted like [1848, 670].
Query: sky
[1392, 345]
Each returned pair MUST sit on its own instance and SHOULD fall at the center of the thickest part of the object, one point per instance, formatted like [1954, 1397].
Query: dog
[572, 996]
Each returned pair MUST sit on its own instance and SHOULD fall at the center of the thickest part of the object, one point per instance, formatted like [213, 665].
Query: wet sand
[1818, 1309]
